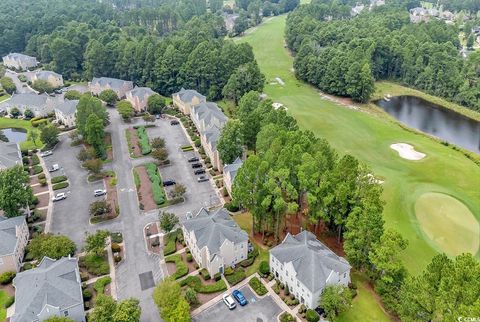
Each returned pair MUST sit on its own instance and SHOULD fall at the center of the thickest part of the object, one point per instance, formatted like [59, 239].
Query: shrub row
[205, 274]
[94, 264]
[7, 277]
[170, 244]
[35, 159]
[59, 179]
[100, 284]
[195, 283]
[60, 185]
[237, 276]
[257, 286]
[181, 267]
[143, 140]
[37, 169]
[157, 189]
[37, 123]
[9, 302]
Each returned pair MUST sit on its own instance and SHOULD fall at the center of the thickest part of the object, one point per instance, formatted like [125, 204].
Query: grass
[244, 220]
[3, 299]
[364, 306]
[4, 97]
[181, 267]
[449, 225]
[367, 136]
[14, 123]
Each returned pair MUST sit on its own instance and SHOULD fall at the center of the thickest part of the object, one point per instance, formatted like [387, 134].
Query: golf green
[367, 134]
[448, 223]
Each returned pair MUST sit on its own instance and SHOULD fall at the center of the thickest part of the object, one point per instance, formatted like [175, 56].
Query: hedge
[181, 267]
[205, 274]
[7, 277]
[287, 317]
[235, 278]
[170, 245]
[157, 189]
[143, 140]
[37, 123]
[312, 316]
[60, 185]
[257, 286]
[9, 302]
[100, 284]
[94, 264]
[35, 159]
[41, 176]
[195, 283]
[37, 169]
[59, 179]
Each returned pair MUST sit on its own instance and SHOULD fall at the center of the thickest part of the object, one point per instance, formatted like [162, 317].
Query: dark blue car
[239, 297]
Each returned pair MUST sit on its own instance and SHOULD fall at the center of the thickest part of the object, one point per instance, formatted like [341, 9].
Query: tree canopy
[15, 192]
[52, 246]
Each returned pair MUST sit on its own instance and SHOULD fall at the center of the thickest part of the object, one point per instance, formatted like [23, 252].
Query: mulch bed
[171, 268]
[44, 199]
[112, 198]
[190, 265]
[39, 188]
[204, 298]
[8, 288]
[34, 180]
[136, 151]
[145, 195]
[108, 143]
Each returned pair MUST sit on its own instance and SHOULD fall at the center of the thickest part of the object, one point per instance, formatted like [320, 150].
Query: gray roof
[211, 229]
[212, 136]
[233, 168]
[112, 82]
[32, 101]
[186, 95]
[312, 260]
[53, 282]
[10, 155]
[8, 234]
[68, 107]
[44, 74]
[210, 113]
[18, 56]
[142, 92]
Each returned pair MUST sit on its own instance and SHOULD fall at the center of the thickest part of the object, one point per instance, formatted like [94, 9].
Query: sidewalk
[48, 220]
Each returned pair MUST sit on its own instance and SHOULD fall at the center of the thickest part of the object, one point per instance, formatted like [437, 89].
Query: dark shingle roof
[51, 283]
[8, 236]
[211, 229]
[312, 260]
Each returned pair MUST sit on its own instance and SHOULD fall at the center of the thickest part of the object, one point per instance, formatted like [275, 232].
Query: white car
[99, 192]
[46, 153]
[229, 302]
[54, 168]
[59, 196]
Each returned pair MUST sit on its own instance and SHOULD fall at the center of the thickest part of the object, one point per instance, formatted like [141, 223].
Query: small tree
[86, 154]
[168, 221]
[8, 85]
[95, 243]
[99, 208]
[125, 109]
[312, 316]
[170, 302]
[160, 154]
[53, 246]
[157, 143]
[264, 268]
[49, 135]
[28, 114]
[94, 166]
[108, 96]
[191, 296]
[148, 118]
[72, 95]
[155, 104]
[32, 136]
[179, 191]
[42, 86]
[335, 299]
[15, 192]
[15, 112]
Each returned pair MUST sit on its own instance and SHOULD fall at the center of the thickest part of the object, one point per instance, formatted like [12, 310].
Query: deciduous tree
[52, 246]
[108, 96]
[335, 299]
[168, 221]
[155, 104]
[230, 143]
[49, 135]
[125, 109]
[15, 192]
[95, 243]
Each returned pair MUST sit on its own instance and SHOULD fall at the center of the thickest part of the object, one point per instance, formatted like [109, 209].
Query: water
[15, 135]
[443, 123]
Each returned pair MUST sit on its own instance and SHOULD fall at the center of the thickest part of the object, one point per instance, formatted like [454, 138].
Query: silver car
[99, 192]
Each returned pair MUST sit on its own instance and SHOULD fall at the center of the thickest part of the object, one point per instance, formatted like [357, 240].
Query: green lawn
[367, 136]
[3, 299]
[9, 123]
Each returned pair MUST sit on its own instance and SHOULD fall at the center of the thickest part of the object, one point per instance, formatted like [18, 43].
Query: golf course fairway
[367, 135]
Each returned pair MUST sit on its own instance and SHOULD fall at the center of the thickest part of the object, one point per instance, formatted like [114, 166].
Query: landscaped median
[181, 268]
[205, 288]
[59, 182]
[138, 141]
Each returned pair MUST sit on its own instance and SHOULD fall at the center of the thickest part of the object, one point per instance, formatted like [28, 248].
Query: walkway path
[48, 220]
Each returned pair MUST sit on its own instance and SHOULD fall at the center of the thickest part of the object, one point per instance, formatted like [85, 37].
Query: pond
[427, 117]
[16, 135]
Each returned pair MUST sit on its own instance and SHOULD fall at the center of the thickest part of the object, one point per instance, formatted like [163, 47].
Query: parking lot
[71, 216]
[199, 194]
[257, 310]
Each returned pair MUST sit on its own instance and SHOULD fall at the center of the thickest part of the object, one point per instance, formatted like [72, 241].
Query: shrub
[257, 286]
[197, 143]
[231, 207]
[116, 237]
[170, 245]
[59, 179]
[117, 258]
[35, 159]
[94, 264]
[143, 140]
[205, 274]
[181, 267]
[312, 316]
[196, 283]
[84, 277]
[37, 169]
[9, 302]
[60, 185]
[43, 182]
[157, 189]
[195, 265]
[87, 294]
[217, 276]
[41, 176]
[228, 271]
[287, 317]
[37, 123]
[116, 248]
[264, 268]
[235, 278]
[7, 277]
[189, 258]
[191, 296]
[100, 284]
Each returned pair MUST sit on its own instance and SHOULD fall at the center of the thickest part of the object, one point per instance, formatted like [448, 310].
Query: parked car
[199, 171]
[202, 178]
[46, 153]
[168, 183]
[197, 165]
[229, 302]
[54, 168]
[194, 159]
[59, 196]
[99, 192]
[157, 116]
[174, 122]
[239, 297]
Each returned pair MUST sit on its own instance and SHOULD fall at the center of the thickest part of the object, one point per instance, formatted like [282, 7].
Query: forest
[344, 56]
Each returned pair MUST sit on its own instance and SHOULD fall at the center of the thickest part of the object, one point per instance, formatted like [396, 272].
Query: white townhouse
[307, 266]
[229, 173]
[215, 240]
[66, 111]
[19, 61]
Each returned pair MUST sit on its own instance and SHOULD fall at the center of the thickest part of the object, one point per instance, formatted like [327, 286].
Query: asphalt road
[257, 310]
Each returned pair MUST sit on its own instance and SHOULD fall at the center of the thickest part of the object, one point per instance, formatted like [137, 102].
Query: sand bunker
[407, 151]
[277, 106]
[280, 81]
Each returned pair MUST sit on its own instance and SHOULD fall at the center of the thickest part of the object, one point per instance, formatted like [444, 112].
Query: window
[65, 313]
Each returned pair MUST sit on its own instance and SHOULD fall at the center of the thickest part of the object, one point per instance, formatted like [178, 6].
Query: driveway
[257, 310]
[199, 194]
[17, 82]
[71, 216]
